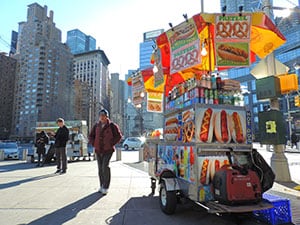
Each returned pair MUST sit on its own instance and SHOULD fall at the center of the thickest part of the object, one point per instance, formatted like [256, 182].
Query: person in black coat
[41, 142]
[61, 139]
[294, 139]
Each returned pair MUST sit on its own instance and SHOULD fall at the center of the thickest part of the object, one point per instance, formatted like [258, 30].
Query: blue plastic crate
[279, 214]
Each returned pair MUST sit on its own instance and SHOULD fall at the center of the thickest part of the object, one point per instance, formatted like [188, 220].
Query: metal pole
[202, 6]
[278, 160]
[289, 117]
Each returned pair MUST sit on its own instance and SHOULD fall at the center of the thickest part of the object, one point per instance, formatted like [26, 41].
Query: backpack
[116, 135]
[263, 170]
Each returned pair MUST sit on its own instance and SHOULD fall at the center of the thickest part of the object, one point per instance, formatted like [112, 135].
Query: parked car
[11, 150]
[133, 142]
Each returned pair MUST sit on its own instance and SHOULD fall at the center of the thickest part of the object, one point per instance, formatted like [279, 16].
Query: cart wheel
[168, 199]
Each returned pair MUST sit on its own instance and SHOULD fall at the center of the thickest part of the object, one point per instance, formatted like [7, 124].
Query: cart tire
[167, 199]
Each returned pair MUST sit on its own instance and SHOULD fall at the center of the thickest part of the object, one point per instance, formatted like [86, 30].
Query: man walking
[61, 139]
[104, 136]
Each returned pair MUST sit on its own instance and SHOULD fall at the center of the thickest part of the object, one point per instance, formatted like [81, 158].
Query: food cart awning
[181, 48]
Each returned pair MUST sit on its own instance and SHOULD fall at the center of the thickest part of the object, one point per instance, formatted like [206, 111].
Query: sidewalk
[36, 196]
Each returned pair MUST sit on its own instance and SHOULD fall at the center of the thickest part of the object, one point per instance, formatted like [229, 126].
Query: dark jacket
[41, 142]
[294, 138]
[105, 138]
[61, 137]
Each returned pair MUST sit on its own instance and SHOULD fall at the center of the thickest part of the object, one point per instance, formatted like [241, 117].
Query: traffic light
[297, 100]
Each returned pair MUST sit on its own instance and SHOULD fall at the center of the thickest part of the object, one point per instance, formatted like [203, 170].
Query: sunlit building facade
[43, 90]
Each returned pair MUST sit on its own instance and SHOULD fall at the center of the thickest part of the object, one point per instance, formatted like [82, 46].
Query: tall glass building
[146, 47]
[288, 54]
[79, 42]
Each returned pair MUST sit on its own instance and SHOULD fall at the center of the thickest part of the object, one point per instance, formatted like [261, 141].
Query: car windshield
[8, 145]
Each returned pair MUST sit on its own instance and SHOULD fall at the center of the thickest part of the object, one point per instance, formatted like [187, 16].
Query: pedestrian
[41, 141]
[104, 135]
[61, 139]
[294, 139]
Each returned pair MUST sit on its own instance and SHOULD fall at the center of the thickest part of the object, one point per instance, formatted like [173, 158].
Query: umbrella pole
[279, 161]
[209, 47]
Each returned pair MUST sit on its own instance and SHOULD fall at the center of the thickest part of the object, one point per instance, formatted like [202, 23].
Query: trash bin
[1, 155]
[24, 154]
[118, 154]
[141, 154]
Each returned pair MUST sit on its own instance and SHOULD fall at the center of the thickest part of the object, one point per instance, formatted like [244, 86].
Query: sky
[117, 25]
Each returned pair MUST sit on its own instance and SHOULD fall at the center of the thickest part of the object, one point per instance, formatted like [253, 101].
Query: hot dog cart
[196, 141]
[206, 125]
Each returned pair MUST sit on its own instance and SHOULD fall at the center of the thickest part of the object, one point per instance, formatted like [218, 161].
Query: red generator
[234, 185]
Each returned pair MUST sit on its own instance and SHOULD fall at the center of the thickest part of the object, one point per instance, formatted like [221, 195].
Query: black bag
[263, 170]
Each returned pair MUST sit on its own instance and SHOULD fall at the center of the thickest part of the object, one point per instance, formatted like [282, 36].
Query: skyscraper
[44, 73]
[7, 89]
[146, 47]
[13, 42]
[248, 5]
[79, 42]
[92, 68]
[117, 100]
[150, 120]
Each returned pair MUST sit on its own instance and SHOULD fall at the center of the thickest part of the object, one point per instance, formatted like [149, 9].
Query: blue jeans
[103, 169]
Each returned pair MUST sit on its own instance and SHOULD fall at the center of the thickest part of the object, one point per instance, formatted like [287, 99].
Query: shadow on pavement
[19, 182]
[291, 184]
[68, 212]
[17, 165]
[146, 211]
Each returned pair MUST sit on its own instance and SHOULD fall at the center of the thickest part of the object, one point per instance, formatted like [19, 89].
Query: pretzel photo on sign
[223, 29]
[183, 61]
[188, 131]
[240, 29]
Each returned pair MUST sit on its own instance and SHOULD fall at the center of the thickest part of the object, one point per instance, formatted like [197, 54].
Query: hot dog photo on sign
[204, 125]
[172, 128]
[232, 54]
[220, 126]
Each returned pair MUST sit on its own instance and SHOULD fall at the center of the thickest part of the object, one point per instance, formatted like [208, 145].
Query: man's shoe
[104, 191]
[100, 190]
[57, 171]
[62, 172]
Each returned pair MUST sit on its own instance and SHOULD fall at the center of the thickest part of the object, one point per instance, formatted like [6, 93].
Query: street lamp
[139, 114]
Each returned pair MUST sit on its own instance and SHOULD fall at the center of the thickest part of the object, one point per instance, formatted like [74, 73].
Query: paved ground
[35, 196]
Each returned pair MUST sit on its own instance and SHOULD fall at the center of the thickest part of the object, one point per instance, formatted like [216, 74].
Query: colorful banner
[137, 88]
[232, 38]
[158, 71]
[154, 102]
[185, 46]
